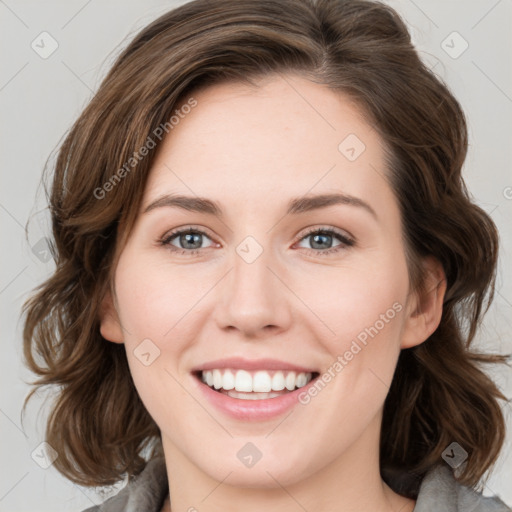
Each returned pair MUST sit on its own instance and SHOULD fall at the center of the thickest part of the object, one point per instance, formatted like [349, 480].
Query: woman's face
[260, 281]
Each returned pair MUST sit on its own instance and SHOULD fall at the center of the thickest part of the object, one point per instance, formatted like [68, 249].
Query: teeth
[228, 380]
[301, 380]
[261, 381]
[243, 381]
[217, 379]
[290, 381]
[278, 381]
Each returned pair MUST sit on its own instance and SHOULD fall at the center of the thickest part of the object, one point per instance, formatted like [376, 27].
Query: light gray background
[40, 98]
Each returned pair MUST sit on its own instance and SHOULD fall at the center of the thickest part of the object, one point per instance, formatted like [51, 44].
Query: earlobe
[110, 325]
[426, 305]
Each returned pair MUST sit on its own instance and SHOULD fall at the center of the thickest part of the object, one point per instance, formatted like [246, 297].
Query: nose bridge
[253, 297]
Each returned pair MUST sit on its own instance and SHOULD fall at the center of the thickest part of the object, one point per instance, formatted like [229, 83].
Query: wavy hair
[439, 394]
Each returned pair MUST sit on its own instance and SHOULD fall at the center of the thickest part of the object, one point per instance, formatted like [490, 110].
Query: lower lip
[253, 410]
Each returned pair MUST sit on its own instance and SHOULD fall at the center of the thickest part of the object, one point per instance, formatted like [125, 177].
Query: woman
[310, 348]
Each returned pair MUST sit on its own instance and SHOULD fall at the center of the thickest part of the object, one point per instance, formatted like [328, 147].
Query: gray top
[439, 492]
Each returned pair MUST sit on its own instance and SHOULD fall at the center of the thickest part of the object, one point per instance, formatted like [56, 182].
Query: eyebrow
[295, 206]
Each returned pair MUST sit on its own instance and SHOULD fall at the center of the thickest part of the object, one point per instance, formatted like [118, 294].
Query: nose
[254, 298]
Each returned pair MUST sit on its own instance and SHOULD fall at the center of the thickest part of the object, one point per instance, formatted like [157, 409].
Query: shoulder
[440, 491]
[144, 493]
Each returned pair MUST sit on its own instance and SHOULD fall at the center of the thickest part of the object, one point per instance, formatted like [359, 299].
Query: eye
[190, 240]
[321, 240]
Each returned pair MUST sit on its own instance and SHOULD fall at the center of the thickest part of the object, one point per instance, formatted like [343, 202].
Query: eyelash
[344, 239]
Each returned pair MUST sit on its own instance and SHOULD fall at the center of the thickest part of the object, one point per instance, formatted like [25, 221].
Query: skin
[252, 149]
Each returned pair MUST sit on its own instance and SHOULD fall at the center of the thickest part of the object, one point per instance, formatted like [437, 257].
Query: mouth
[254, 384]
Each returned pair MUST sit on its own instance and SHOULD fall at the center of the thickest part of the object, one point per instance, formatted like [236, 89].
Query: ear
[110, 325]
[425, 305]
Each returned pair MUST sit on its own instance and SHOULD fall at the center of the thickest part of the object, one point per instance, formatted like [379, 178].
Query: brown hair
[98, 424]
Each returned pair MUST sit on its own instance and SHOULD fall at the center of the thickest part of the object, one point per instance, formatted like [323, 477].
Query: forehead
[284, 138]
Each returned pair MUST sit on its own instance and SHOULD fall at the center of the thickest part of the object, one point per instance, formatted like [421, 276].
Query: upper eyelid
[187, 228]
[336, 231]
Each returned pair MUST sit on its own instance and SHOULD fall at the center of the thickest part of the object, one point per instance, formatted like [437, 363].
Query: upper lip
[240, 363]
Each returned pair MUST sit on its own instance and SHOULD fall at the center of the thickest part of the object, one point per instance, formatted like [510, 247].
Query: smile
[242, 401]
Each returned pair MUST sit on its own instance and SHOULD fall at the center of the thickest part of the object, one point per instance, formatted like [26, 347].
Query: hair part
[439, 394]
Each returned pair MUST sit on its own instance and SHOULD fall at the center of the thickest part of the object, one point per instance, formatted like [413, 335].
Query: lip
[251, 410]
[252, 364]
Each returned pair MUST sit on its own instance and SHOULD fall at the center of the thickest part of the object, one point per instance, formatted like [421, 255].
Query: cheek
[154, 316]
[364, 310]
[159, 306]
[353, 298]
[154, 300]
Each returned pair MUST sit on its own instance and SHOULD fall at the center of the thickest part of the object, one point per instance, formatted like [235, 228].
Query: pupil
[189, 238]
[316, 237]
